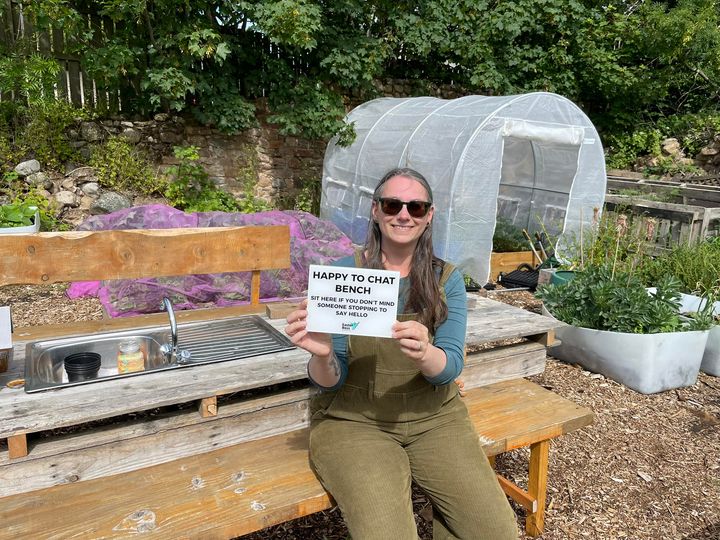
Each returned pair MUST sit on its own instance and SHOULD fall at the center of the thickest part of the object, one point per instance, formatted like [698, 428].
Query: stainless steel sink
[208, 342]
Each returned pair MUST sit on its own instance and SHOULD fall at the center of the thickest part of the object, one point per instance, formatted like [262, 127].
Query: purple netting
[312, 241]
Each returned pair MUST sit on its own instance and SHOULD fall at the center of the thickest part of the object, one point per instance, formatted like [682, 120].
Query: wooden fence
[675, 223]
[17, 30]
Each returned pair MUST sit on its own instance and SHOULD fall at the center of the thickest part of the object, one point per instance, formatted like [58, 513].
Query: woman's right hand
[316, 343]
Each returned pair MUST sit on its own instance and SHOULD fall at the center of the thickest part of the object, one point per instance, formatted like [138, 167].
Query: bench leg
[537, 486]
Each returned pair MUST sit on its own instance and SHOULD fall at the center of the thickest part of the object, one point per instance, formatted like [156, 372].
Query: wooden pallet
[34, 463]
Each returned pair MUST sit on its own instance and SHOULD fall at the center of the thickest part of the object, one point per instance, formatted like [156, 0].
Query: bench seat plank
[256, 484]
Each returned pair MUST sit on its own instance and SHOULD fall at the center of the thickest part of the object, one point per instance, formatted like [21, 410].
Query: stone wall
[273, 165]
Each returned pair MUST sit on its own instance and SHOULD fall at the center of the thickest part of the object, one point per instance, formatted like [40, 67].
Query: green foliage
[696, 266]
[191, 189]
[605, 300]
[622, 62]
[45, 135]
[167, 87]
[307, 198]
[35, 124]
[288, 22]
[18, 214]
[616, 238]
[694, 131]
[121, 166]
[224, 108]
[508, 237]
[31, 77]
[667, 165]
[624, 149]
[25, 197]
[312, 111]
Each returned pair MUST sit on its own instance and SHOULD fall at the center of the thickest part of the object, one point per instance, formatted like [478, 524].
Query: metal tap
[170, 350]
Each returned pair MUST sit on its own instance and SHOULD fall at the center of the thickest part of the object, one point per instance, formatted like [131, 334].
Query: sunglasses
[392, 207]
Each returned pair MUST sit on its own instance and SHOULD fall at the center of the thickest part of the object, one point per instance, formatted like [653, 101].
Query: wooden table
[47, 463]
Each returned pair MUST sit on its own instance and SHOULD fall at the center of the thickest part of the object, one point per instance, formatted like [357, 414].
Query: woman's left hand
[413, 337]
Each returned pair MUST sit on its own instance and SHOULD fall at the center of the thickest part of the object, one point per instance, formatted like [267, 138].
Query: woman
[390, 412]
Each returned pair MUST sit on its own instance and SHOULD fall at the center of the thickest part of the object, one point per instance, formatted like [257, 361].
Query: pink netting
[312, 241]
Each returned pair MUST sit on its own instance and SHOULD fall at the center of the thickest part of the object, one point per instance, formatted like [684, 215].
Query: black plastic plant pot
[82, 366]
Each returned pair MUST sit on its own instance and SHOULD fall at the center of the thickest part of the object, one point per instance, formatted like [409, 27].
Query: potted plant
[19, 217]
[614, 326]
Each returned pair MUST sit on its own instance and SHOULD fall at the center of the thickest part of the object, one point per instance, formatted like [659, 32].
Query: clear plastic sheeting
[533, 159]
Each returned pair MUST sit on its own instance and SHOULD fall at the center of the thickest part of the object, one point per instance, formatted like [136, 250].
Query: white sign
[353, 301]
[5, 328]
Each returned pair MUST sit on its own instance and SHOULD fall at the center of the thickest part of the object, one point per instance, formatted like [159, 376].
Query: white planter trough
[647, 363]
[35, 227]
[711, 359]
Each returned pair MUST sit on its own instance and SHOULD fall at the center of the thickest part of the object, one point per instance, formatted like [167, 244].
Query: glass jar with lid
[130, 357]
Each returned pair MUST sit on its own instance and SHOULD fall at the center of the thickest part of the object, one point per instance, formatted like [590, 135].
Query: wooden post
[17, 446]
[537, 486]
[547, 339]
[523, 498]
[255, 288]
[208, 407]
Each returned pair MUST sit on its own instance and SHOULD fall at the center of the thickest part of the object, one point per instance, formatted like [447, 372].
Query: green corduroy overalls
[388, 425]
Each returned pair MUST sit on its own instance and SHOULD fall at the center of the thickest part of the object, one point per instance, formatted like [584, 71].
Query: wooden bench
[236, 463]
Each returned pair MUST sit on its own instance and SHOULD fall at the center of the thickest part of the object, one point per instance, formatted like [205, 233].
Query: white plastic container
[647, 363]
[711, 359]
[35, 227]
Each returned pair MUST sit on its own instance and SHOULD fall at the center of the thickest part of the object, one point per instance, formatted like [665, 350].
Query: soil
[648, 468]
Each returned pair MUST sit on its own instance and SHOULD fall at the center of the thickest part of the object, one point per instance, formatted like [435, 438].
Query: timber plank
[516, 413]
[280, 310]
[162, 442]
[502, 321]
[27, 413]
[537, 486]
[115, 254]
[221, 494]
[503, 363]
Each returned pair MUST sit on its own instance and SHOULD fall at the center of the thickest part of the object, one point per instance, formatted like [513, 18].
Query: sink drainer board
[209, 342]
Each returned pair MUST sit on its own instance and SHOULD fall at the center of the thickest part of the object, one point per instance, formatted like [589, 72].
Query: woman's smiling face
[402, 229]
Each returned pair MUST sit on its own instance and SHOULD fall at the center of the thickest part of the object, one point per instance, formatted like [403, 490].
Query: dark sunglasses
[392, 207]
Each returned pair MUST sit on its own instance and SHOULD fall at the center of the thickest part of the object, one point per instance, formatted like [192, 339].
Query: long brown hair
[423, 296]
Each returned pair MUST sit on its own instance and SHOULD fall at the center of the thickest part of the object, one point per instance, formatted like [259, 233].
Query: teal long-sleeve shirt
[449, 336]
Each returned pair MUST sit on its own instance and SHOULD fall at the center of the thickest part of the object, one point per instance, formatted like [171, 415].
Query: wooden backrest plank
[45, 258]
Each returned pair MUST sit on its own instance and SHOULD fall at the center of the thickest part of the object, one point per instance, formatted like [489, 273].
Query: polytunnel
[533, 159]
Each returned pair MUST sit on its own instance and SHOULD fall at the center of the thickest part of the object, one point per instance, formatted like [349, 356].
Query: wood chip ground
[647, 469]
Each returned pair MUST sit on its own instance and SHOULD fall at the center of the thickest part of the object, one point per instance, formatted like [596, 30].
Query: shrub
[45, 135]
[191, 189]
[624, 149]
[122, 166]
